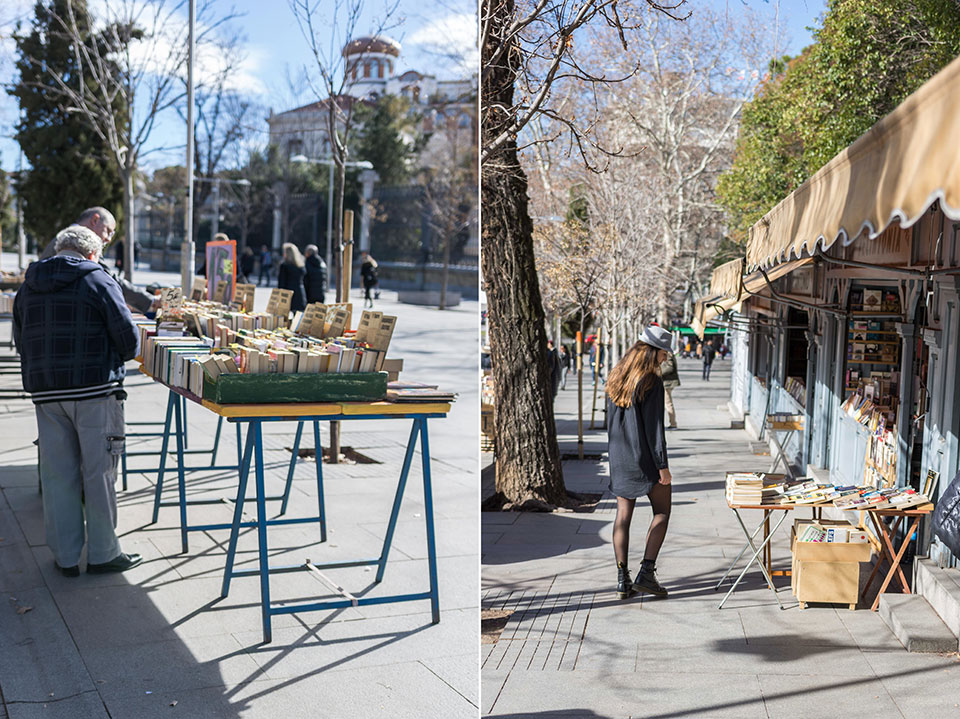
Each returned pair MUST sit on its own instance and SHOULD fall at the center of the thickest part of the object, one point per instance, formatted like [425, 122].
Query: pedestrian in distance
[637, 449]
[290, 276]
[553, 360]
[708, 355]
[369, 272]
[266, 264]
[671, 380]
[564, 365]
[316, 282]
[247, 263]
[74, 332]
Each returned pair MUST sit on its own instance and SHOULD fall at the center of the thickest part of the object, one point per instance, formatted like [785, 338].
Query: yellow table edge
[295, 409]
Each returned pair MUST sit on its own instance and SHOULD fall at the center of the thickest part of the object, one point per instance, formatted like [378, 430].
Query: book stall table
[787, 425]
[888, 551]
[254, 416]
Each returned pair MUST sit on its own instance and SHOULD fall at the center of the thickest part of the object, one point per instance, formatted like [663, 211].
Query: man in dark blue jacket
[74, 332]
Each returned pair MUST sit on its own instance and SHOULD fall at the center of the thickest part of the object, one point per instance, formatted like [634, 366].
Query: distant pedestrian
[553, 360]
[708, 354]
[74, 332]
[564, 365]
[316, 282]
[597, 357]
[371, 279]
[637, 449]
[671, 380]
[247, 264]
[290, 276]
[266, 264]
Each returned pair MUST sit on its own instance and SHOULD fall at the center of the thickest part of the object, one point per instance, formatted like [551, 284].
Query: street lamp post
[329, 162]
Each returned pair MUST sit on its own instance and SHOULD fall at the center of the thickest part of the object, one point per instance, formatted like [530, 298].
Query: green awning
[690, 330]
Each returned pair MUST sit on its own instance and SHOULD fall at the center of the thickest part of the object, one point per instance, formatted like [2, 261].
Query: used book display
[870, 406]
[226, 355]
[757, 488]
[6, 302]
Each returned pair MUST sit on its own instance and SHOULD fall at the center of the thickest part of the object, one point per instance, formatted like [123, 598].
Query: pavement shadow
[565, 713]
[547, 535]
[65, 642]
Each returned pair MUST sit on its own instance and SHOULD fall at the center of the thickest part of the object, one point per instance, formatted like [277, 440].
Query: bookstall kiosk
[349, 396]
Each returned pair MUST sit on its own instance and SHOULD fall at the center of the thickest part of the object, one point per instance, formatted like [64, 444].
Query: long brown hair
[634, 375]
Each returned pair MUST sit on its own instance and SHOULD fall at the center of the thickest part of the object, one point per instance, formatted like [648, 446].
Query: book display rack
[775, 493]
[175, 359]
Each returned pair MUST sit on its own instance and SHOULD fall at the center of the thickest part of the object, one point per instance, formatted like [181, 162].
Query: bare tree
[134, 67]
[327, 26]
[526, 54]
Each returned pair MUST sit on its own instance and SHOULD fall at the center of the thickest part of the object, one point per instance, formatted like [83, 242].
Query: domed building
[369, 65]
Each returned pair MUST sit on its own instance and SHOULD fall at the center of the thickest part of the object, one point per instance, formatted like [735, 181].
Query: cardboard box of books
[826, 561]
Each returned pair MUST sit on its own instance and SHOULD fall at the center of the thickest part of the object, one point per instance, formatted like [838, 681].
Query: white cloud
[451, 40]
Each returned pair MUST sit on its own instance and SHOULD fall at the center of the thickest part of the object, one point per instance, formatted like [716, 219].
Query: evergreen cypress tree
[380, 138]
[70, 166]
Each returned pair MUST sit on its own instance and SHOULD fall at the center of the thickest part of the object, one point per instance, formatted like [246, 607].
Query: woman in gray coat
[638, 454]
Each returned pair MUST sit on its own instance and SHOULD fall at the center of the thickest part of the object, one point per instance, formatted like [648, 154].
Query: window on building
[379, 69]
[415, 94]
[366, 69]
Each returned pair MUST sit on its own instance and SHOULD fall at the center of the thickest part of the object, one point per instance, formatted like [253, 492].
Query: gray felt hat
[657, 337]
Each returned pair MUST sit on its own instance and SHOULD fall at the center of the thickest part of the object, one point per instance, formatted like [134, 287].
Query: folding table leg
[237, 513]
[764, 545]
[163, 456]
[321, 510]
[753, 558]
[428, 512]
[255, 427]
[881, 529]
[181, 481]
[895, 567]
[397, 499]
[294, 456]
[734, 562]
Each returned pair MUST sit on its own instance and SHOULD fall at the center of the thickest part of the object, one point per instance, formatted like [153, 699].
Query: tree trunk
[129, 234]
[445, 278]
[528, 457]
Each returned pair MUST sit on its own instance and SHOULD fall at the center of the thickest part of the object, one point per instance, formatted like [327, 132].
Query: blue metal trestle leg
[237, 511]
[163, 456]
[428, 512]
[397, 500]
[294, 456]
[181, 481]
[319, 457]
[255, 427]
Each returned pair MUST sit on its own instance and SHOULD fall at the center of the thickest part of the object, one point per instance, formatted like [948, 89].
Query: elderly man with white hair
[102, 223]
[74, 333]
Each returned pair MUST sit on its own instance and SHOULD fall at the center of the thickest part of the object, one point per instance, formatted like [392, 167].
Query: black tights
[660, 502]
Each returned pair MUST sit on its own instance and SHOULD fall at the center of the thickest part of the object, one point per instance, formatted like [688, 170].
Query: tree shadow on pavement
[564, 713]
[543, 535]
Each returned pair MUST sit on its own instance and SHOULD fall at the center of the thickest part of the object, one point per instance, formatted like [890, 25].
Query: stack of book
[417, 392]
[744, 488]
[6, 302]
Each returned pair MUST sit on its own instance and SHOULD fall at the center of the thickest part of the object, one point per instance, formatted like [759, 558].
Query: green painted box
[288, 388]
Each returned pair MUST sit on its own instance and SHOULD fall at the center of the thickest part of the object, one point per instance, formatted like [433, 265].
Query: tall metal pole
[187, 248]
[215, 220]
[330, 227]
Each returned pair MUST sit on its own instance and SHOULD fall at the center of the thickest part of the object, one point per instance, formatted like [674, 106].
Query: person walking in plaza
[74, 332]
[371, 278]
[247, 262]
[266, 264]
[291, 275]
[708, 355]
[316, 282]
[671, 380]
[637, 449]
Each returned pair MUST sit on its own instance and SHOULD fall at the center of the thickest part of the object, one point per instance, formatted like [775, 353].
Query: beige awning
[894, 172]
[729, 289]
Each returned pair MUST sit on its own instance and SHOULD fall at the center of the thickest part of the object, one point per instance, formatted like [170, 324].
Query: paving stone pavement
[158, 641]
[571, 649]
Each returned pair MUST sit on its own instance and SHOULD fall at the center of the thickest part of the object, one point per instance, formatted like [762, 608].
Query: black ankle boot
[625, 588]
[647, 583]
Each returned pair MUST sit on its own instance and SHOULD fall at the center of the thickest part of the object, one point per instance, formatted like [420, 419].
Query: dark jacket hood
[58, 272]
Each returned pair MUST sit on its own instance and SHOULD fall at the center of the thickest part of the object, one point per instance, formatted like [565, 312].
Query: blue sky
[276, 51]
